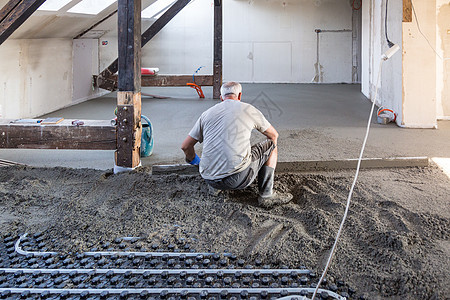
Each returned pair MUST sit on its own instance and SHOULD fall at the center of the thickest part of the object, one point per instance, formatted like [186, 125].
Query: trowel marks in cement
[395, 242]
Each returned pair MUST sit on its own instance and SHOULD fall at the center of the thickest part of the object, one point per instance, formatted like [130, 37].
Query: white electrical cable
[333, 249]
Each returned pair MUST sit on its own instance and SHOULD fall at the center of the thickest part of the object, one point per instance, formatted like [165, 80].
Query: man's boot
[267, 197]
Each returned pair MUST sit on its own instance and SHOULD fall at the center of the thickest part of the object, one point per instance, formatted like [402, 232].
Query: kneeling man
[229, 162]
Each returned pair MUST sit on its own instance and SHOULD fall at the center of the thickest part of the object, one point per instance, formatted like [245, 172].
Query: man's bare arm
[188, 147]
[271, 134]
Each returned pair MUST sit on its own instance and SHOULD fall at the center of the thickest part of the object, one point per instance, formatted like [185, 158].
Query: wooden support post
[217, 72]
[104, 79]
[14, 13]
[407, 11]
[129, 84]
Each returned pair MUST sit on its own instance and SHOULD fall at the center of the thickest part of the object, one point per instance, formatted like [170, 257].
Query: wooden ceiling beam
[14, 14]
[6, 10]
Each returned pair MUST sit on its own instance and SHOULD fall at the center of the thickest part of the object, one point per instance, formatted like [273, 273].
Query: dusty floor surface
[395, 244]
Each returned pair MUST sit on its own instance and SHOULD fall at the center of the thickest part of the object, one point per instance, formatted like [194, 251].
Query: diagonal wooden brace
[103, 80]
[14, 14]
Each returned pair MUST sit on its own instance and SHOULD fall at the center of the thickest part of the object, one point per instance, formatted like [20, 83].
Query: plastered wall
[443, 62]
[415, 82]
[275, 41]
[182, 46]
[43, 75]
[85, 65]
[10, 80]
[263, 41]
[374, 44]
[35, 76]
[419, 67]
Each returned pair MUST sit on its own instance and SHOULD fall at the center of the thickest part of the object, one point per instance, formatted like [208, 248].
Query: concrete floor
[314, 121]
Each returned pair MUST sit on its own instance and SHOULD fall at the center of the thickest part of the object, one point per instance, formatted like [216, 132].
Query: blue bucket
[146, 137]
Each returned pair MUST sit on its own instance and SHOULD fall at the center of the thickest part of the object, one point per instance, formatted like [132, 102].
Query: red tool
[147, 71]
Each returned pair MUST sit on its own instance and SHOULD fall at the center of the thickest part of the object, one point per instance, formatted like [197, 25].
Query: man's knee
[271, 144]
[262, 149]
[266, 144]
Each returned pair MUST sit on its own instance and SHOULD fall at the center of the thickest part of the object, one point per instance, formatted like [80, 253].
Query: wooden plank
[129, 39]
[162, 80]
[145, 38]
[407, 11]
[93, 135]
[52, 120]
[217, 64]
[176, 80]
[19, 14]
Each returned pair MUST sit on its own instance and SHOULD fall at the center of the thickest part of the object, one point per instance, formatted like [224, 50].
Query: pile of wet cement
[395, 242]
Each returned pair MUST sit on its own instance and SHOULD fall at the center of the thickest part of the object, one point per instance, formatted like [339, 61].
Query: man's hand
[195, 161]
[188, 148]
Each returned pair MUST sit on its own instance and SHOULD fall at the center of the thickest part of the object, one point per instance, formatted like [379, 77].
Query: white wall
[419, 67]
[443, 63]
[85, 64]
[373, 46]
[182, 46]
[366, 29]
[43, 75]
[10, 80]
[35, 76]
[274, 41]
[264, 41]
[415, 84]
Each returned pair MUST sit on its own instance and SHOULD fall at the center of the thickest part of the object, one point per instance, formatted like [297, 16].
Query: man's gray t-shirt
[225, 131]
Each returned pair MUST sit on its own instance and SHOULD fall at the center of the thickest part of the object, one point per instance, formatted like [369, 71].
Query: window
[91, 7]
[156, 9]
[54, 5]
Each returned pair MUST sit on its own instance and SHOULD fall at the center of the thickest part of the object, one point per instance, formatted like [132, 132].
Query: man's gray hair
[231, 87]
